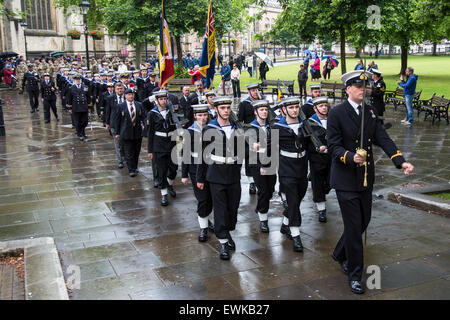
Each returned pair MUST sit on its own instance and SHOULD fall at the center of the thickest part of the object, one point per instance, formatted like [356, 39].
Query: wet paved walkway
[128, 247]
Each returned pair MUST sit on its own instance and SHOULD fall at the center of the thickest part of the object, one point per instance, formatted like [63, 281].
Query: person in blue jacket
[225, 72]
[409, 88]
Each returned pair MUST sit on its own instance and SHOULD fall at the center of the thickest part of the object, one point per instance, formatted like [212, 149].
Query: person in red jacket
[8, 72]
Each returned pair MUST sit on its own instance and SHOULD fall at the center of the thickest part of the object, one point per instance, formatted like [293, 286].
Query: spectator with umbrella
[316, 68]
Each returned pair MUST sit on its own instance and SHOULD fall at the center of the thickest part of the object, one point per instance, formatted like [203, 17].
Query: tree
[433, 20]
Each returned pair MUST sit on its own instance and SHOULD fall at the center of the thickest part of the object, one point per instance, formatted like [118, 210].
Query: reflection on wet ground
[128, 247]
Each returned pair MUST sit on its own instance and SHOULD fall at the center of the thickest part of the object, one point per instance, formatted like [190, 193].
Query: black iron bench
[334, 90]
[436, 107]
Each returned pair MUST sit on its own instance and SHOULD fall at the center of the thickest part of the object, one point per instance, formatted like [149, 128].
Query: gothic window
[39, 14]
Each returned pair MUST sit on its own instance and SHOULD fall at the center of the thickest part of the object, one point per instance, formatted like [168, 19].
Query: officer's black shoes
[252, 188]
[164, 201]
[323, 216]
[343, 264]
[47, 121]
[172, 192]
[81, 138]
[32, 111]
[387, 126]
[132, 174]
[120, 165]
[264, 226]
[37, 109]
[57, 119]
[210, 226]
[298, 246]
[224, 251]
[356, 287]
[155, 185]
[203, 236]
[286, 230]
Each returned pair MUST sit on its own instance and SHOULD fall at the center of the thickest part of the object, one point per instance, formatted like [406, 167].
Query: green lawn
[445, 196]
[433, 72]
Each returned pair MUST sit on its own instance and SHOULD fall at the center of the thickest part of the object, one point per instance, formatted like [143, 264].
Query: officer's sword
[361, 151]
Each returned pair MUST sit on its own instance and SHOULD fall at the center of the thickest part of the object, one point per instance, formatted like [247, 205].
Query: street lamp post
[85, 5]
[24, 25]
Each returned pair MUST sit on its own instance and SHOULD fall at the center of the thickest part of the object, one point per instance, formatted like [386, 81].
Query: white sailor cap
[320, 100]
[289, 101]
[161, 94]
[376, 71]
[355, 77]
[210, 93]
[222, 100]
[316, 86]
[260, 103]
[251, 86]
[200, 108]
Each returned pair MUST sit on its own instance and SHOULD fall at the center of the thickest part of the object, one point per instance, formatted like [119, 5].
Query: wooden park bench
[334, 90]
[436, 107]
[179, 84]
[276, 85]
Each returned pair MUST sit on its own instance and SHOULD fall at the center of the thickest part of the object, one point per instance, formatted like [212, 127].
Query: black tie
[359, 111]
[120, 99]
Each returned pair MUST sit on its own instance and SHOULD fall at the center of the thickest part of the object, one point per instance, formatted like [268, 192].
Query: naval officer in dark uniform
[78, 102]
[48, 91]
[31, 78]
[348, 170]
[221, 168]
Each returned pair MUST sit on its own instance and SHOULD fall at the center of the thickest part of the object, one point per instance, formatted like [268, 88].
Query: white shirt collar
[354, 105]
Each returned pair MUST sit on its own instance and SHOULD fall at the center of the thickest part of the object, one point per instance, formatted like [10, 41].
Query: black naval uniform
[141, 88]
[150, 87]
[246, 115]
[293, 170]
[130, 131]
[224, 178]
[160, 144]
[319, 163]
[204, 200]
[308, 109]
[48, 91]
[264, 183]
[355, 200]
[79, 101]
[378, 90]
[32, 81]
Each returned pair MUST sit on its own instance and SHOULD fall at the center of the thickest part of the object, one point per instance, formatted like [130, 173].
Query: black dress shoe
[120, 165]
[81, 138]
[231, 245]
[37, 109]
[356, 287]
[57, 119]
[264, 226]
[298, 246]
[32, 111]
[252, 188]
[164, 201]
[286, 230]
[155, 185]
[210, 226]
[224, 251]
[323, 216]
[47, 121]
[203, 236]
[132, 174]
[172, 192]
[342, 264]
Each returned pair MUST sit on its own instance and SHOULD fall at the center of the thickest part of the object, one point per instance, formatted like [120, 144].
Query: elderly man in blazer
[129, 121]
